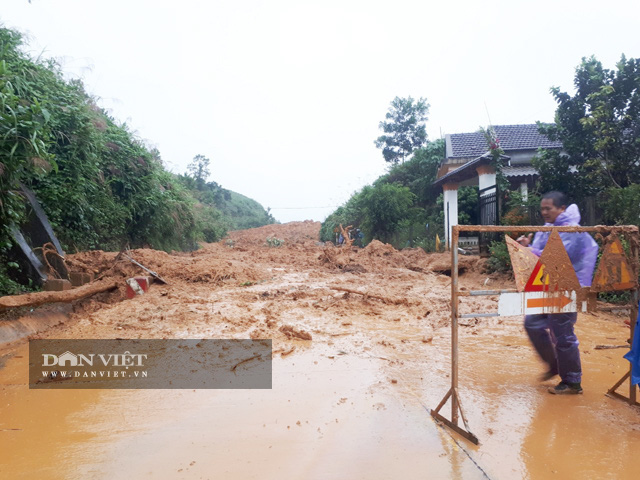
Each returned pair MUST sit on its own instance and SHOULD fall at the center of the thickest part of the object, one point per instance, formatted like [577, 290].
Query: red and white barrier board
[137, 286]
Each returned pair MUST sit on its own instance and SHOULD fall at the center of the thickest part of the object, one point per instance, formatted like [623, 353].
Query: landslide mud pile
[293, 233]
[300, 291]
[380, 257]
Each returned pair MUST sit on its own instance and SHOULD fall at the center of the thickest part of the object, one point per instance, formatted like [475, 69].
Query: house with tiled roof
[468, 162]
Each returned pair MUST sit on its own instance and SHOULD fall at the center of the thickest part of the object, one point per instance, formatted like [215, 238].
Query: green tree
[199, 170]
[419, 172]
[621, 205]
[599, 127]
[351, 213]
[384, 207]
[404, 129]
[416, 175]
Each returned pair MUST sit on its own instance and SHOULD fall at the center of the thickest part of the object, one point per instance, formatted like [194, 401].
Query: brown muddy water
[338, 409]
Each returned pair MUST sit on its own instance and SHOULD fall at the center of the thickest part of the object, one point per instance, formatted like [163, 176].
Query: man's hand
[525, 241]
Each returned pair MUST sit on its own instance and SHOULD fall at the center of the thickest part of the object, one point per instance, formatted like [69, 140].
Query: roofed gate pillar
[486, 179]
[450, 191]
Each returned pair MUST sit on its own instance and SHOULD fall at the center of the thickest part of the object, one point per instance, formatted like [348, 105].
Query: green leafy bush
[210, 223]
[274, 242]
[400, 204]
[499, 261]
[427, 244]
[9, 286]
[622, 205]
[517, 210]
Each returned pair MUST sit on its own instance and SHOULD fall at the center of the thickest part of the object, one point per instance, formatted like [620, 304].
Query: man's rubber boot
[564, 388]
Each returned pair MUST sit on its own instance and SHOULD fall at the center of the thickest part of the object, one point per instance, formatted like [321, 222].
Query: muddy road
[350, 402]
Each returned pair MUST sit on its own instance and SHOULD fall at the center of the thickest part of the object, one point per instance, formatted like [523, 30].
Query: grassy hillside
[243, 212]
[236, 211]
[100, 186]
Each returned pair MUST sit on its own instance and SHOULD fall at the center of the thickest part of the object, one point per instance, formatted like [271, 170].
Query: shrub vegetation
[100, 186]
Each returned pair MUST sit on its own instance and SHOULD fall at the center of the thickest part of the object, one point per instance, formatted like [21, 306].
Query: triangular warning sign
[523, 261]
[554, 271]
[614, 272]
[538, 281]
[558, 266]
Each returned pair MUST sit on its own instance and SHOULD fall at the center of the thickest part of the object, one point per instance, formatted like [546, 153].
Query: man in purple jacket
[552, 334]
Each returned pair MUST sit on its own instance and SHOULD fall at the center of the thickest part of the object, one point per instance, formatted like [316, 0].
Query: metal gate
[488, 206]
[489, 214]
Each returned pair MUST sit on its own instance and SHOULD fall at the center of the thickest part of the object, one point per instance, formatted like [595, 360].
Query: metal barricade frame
[453, 394]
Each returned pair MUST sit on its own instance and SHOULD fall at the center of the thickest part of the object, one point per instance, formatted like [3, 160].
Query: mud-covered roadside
[361, 352]
[243, 288]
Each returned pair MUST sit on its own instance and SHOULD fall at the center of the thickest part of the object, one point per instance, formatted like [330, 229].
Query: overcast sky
[285, 97]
